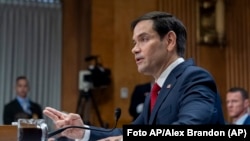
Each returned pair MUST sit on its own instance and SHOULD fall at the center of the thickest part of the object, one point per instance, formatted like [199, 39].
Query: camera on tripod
[96, 76]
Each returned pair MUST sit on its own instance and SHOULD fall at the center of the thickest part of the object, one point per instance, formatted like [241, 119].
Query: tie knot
[156, 87]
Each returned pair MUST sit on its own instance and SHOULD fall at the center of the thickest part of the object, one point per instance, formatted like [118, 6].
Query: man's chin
[142, 71]
[23, 95]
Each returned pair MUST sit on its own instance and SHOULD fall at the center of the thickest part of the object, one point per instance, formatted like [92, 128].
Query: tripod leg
[97, 111]
[87, 110]
[79, 103]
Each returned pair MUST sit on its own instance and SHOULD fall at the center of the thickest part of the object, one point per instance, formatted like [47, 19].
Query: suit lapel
[18, 106]
[167, 87]
[164, 92]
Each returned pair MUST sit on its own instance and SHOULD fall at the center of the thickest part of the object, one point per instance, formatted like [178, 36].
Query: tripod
[83, 105]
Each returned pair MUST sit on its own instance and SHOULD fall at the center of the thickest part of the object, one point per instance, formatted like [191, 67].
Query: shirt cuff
[86, 135]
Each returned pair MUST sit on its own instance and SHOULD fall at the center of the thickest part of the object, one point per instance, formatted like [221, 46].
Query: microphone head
[117, 113]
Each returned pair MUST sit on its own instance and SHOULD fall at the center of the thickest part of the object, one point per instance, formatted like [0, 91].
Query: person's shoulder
[192, 71]
[143, 85]
[247, 121]
[35, 104]
[12, 102]
[191, 67]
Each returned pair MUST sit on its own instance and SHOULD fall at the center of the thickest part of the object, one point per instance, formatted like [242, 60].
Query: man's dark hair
[242, 91]
[163, 23]
[20, 78]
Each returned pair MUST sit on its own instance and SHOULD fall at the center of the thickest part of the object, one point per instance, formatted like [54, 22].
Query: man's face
[236, 105]
[149, 50]
[22, 87]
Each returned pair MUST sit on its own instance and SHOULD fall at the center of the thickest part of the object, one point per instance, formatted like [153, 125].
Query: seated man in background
[21, 106]
[137, 99]
[237, 101]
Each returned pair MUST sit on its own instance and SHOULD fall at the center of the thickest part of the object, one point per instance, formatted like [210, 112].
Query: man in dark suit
[237, 101]
[137, 99]
[21, 106]
[188, 94]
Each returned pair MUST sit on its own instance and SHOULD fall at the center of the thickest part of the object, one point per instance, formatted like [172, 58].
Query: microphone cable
[117, 116]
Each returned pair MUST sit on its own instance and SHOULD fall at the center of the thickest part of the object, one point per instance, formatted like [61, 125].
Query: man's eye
[133, 44]
[144, 39]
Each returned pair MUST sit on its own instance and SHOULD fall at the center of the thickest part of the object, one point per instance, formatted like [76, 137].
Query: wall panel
[237, 45]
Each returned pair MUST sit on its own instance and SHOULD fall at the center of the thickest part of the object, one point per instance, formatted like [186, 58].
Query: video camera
[96, 76]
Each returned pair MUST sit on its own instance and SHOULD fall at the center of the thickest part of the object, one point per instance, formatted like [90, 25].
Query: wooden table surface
[8, 133]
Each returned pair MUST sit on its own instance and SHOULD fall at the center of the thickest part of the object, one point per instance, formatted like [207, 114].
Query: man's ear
[170, 40]
[246, 103]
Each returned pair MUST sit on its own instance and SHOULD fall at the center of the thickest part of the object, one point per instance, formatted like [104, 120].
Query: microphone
[117, 116]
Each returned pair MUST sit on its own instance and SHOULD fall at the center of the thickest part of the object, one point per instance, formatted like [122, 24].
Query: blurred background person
[21, 106]
[137, 99]
[237, 104]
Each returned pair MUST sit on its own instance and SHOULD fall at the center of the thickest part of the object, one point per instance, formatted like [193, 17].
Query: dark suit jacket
[13, 111]
[138, 97]
[247, 121]
[188, 96]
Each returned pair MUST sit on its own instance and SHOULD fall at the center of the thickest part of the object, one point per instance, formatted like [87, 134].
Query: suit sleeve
[96, 135]
[199, 102]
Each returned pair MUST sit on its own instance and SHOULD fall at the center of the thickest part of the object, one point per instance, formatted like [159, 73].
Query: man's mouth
[138, 60]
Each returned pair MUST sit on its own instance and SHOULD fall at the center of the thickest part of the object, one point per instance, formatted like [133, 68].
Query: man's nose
[229, 104]
[135, 49]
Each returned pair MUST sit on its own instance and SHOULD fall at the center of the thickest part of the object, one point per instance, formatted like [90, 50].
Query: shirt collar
[241, 120]
[160, 81]
[22, 100]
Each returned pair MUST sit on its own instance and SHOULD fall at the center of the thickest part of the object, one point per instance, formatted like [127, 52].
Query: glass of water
[32, 130]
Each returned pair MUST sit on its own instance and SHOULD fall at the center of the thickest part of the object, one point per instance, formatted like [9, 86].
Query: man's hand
[62, 120]
[114, 138]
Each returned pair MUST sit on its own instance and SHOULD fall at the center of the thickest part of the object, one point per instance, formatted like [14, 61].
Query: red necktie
[154, 94]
